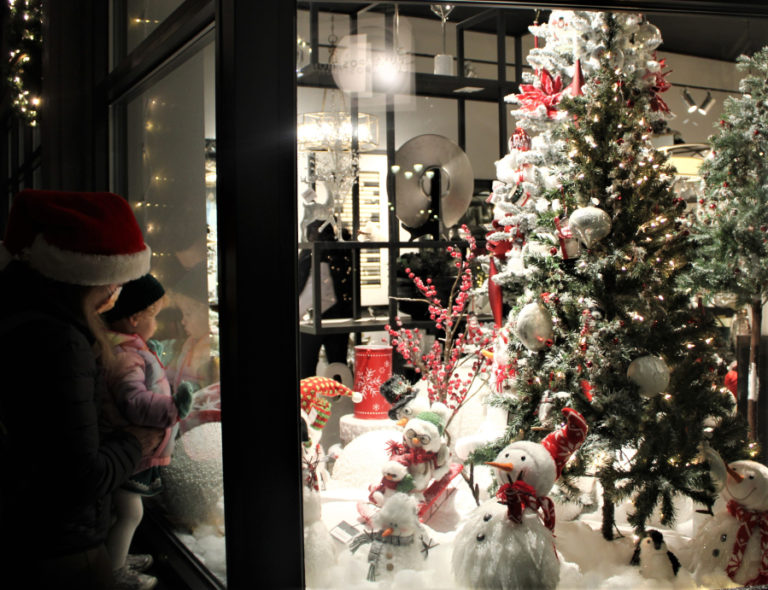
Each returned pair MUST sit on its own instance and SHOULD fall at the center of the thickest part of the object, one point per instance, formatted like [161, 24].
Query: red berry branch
[464, 336]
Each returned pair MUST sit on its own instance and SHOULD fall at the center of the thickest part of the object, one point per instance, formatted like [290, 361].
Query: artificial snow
[587, 561]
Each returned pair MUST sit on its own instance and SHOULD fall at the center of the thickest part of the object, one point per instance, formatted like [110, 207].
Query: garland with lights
[24, 66]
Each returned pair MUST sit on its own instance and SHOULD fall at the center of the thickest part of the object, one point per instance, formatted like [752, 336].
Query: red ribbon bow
[521, 495]
[548, 95]
[659, 85]
[749, 519]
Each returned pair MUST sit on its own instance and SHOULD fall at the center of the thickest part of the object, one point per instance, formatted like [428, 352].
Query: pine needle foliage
[731, 229]
[620, 299]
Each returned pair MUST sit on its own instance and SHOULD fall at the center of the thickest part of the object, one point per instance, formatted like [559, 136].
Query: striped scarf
[520, 495]
[749, 520]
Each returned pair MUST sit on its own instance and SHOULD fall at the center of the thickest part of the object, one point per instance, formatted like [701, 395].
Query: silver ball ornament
[590, 225]
[650, 374]
[534, 326]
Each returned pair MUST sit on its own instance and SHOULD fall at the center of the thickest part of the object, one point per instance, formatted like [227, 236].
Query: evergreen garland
[24, 66]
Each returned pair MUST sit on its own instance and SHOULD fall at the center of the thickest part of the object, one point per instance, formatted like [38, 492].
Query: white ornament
[534, 326]
[590, 225]
[650, 374]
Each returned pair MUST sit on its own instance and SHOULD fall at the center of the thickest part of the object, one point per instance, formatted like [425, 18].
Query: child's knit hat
[136, 296]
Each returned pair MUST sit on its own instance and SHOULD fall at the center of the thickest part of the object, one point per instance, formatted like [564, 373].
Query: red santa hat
[563, 443]
[81, 238]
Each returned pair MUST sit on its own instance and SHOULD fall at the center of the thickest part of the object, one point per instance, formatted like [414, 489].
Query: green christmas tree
[731, 230]
[606, 329]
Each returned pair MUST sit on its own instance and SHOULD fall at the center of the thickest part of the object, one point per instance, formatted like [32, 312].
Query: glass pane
[414, 119]
[171, 176]
[142, 17]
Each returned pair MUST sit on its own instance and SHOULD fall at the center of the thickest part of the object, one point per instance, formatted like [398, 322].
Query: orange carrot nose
[415, 440]
[387, 532]
[734, 474]
[402, 421]
[487, 354]
[503, 466]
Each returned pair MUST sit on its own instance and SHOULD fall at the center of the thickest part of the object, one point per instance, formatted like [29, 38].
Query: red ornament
[520, 140]
[495, 296]
[574, 89]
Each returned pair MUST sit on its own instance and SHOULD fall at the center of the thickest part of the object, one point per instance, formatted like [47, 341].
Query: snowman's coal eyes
[716, 552]
[751, 477]
[506, 455]
[480, 537]
[407, 411]
[522, 458]
[487, 517]
[723, 537]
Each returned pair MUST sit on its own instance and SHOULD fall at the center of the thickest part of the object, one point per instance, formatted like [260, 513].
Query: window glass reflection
[143, 17]
[171, 182]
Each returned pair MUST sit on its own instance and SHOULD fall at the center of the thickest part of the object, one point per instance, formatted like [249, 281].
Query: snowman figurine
[735, 540]
[424, 449]
[403, 398]
[394, 478]
[319, 545]
[507, 543]
[398, 541]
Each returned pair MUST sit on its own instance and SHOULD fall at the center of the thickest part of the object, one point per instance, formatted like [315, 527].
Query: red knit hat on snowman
[81, 238]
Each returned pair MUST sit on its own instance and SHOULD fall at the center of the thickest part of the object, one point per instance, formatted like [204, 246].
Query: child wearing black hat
[140, 394]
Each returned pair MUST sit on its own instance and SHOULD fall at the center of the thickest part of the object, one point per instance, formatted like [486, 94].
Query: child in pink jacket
[141, 395]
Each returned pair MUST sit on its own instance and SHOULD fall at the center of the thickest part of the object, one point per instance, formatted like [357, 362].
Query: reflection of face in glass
[194, 315]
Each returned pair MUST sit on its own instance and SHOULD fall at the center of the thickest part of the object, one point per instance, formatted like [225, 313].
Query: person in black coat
[65, 256]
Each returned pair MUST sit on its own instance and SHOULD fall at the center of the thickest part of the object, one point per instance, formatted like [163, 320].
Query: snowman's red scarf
[749, 520]
[520, 495]
[411, 454]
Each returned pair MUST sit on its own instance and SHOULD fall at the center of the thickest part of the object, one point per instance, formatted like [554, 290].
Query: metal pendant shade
[418, 162]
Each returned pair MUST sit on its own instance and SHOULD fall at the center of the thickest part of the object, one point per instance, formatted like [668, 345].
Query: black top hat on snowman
[398, 391]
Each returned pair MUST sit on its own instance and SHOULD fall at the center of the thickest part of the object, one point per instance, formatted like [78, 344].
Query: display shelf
[459, 88]
[431, 85]
[377, 316]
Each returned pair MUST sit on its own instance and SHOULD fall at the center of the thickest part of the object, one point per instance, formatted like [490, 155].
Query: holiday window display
[602, 294]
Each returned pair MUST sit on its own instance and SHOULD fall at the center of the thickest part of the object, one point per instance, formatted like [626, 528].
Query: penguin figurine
[653, 558]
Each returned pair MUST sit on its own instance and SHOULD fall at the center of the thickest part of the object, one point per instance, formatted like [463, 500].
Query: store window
[413, 120]
[168, 158]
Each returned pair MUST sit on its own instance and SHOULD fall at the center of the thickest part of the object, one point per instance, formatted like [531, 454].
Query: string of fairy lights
[24, 72]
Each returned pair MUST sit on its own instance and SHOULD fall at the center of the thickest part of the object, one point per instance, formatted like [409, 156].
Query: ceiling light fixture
[689, 102]
[707, 104]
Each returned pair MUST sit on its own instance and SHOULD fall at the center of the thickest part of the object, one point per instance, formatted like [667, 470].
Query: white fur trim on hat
[85, 269]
